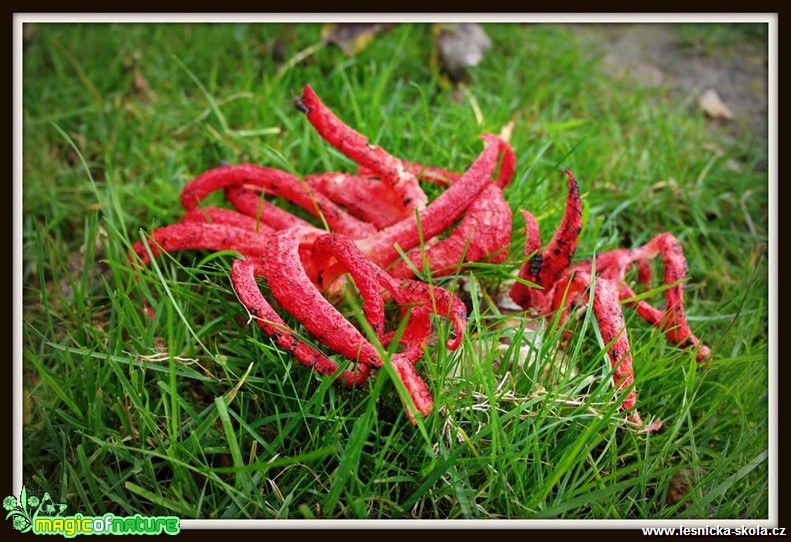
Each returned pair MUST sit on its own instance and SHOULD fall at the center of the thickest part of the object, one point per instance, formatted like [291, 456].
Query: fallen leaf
[507, 130]
[714, 107]
[459, 46]
[140, 85]
[29, 31]
[679, 486]
[27, 407]
[351, 38]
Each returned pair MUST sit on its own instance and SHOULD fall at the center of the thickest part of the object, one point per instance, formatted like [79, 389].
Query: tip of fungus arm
[200, 236]
[559, 252]
[403, 185]
[308, 98]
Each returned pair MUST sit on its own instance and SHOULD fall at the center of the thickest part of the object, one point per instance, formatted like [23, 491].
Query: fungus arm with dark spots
[673, 319]
[609, 316]
[546, 268]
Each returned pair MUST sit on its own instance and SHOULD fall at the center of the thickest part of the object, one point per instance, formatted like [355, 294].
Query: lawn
[196, 413]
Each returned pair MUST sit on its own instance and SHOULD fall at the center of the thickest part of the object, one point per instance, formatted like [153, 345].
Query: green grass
[198, 414]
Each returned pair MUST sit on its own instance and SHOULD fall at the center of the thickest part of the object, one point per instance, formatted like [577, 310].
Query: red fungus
[279, 183]
[363, 197]
[484, 231]
[545, 268]
[382, 207]
[560, 284]
[218, 215]
[252, 204]
[405, 189]
[196, 236]
[439, 215]
[243, 276]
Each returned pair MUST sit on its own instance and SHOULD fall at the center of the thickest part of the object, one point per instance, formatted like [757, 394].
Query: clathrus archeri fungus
[368, 220]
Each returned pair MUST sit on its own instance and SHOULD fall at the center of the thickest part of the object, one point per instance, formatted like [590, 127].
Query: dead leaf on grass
[680, 486]
[351, 38]
[714, 107]
[27, 407]
[29, 31]
[140, 84]
[459, 46]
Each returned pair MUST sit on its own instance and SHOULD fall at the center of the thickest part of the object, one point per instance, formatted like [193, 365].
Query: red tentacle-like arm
[243, 276]
[557, 256]
[363, 197]
[672, 320]
[277, 182]
[218, 215]
[294, 291]
[545, 268]
[439, 215]
[403, 183]
[252, 204]
[609, 316]
[444, 177]
[195, 236]
[484, 231]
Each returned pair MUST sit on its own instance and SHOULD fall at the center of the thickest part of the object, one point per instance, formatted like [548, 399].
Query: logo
[44, 516]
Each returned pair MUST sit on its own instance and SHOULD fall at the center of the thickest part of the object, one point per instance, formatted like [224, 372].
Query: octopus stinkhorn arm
[243, 276]
[363, 197]
[197, 236]
[672, 320]
[545, 268]
[403, 184]
[295, 292]
[485, 230]
[444, 177]
[218, 215]
[277, 182]
[437, 216]
[252, 204]
[609, 316]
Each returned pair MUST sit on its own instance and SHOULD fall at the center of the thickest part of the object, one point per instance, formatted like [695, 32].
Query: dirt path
[689, 61]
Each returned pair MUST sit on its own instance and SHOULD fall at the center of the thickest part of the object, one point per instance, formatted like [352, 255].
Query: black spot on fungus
[300, 105]
[535, 264]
